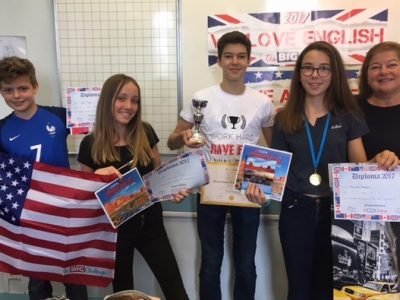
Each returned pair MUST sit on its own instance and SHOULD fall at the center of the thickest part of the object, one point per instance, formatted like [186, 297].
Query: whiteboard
[96, 39]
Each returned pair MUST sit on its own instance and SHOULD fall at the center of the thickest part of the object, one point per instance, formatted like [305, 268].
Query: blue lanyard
[323, 141]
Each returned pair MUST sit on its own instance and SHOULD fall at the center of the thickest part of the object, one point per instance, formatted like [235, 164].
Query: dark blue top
[342, 129]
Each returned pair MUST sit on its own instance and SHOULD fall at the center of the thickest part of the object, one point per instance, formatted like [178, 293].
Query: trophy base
[196, 138]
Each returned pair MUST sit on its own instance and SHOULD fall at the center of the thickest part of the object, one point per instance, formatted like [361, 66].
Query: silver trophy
[198, 117]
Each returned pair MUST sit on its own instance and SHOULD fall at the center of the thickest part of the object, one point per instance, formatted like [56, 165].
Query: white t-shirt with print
[230, 121]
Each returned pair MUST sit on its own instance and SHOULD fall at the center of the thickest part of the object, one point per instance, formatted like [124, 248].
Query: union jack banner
[278, 37]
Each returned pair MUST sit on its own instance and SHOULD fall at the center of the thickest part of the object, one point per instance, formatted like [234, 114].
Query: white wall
[34, 20]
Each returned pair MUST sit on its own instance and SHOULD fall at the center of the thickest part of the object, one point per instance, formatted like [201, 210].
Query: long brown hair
[104, 132]
[338, 97]
[365, 90]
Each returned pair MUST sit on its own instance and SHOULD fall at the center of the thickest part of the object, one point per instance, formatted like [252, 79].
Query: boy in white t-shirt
[234, 115]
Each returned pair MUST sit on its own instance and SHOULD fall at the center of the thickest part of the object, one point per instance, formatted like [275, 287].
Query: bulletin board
[98, 38]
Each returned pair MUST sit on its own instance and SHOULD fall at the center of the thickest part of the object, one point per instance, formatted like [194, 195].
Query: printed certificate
[186, 171]
[81, 106]
[366, 192]
[219, 191]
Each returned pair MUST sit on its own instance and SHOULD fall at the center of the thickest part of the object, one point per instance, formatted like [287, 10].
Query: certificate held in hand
[186, 171]
[365, 192]
[127, 196]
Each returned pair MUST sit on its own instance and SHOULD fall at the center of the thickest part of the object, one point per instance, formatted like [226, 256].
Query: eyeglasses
[321, 71]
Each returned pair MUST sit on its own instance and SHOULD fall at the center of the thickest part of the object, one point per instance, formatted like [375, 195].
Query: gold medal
[315, 179]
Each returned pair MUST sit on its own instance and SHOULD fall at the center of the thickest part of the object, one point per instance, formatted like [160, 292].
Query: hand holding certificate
[125, 197]
[266, 167]
[219, 191]
[365, 192]
[81, 106]
[186, 171]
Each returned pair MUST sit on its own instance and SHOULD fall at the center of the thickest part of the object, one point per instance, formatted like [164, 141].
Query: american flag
[52, 227]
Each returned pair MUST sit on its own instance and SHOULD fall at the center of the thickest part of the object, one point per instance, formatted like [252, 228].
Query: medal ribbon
[322, 144]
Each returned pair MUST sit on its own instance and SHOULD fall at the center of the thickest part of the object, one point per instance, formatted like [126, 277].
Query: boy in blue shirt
[34, 132]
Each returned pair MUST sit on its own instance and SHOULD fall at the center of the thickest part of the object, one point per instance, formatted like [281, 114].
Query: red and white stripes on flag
[52, 226]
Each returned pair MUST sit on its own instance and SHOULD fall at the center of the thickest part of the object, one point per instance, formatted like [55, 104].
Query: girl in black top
[120, 136]
[321, 123]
